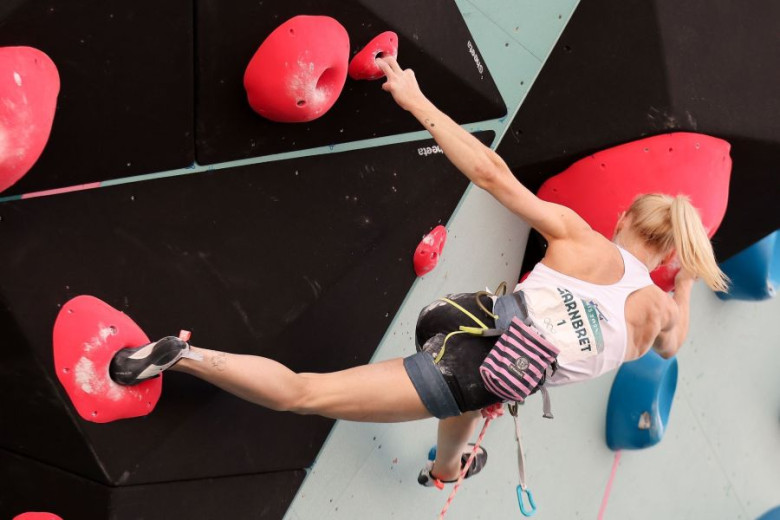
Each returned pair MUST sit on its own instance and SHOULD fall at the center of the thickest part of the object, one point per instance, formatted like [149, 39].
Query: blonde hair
[667, 223]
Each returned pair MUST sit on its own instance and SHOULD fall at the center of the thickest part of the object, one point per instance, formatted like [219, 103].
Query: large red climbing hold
[363, 65]
[428, 251]
[29, 85]
[603, 185]
[37, 516]
[299, 70]
[87, 334]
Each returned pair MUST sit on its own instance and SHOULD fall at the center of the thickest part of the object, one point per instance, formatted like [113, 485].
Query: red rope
[489, 413]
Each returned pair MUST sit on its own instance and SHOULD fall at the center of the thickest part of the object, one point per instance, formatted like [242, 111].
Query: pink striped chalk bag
[519, 363]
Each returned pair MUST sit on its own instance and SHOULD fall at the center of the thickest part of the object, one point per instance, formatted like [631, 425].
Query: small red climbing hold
[427, 254]
[363, 65]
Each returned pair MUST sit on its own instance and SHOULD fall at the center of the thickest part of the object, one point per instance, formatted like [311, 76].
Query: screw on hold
[644, 421]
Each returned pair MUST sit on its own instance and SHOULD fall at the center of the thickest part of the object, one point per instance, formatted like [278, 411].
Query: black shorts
[463, 355]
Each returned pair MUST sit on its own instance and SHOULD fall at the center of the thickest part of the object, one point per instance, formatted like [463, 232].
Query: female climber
[592, 299]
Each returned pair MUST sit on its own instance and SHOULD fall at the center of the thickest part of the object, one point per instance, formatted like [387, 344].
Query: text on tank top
[586, 321]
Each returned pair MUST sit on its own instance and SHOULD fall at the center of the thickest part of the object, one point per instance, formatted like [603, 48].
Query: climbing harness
[517, 345]
[481, 329]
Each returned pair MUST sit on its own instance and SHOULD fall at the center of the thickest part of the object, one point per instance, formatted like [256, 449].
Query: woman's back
[596, 301]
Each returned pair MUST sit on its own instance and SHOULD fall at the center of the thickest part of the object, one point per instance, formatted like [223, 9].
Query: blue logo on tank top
[601, 314]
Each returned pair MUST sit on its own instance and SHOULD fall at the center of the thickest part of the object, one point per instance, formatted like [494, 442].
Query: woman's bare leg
[452, 442]
[378, 392]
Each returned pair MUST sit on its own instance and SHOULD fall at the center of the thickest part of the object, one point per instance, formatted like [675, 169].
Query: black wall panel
[27, 485]
[34, 417]
[126, 100]
[305, 261]
[622, 71]
[433, 40]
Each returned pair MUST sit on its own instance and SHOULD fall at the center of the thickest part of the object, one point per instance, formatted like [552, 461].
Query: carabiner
[531, 502]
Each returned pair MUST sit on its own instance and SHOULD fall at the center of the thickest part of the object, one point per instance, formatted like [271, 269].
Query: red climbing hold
[29, 85]
[363, 65]
[299, 70]
[87, 334]
[427, 254]
[37, 516]
[603, 185]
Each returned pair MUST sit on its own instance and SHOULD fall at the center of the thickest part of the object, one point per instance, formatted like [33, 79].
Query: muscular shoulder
[587, 256]
[653, 304]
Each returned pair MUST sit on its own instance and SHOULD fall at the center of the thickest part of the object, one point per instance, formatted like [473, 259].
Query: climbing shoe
[131, 366]
[425, 478]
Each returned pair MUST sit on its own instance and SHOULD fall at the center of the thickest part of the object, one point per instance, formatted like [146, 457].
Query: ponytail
[694, 249]
[667, 222]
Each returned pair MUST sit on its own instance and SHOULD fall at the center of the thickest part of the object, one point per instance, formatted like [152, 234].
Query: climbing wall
[264, 257]
[719, 456]
[432, 39]
[637, 69]
[126, 98]
[295, 279]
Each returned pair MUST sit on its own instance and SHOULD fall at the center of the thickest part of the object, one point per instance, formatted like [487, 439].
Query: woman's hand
[684, 277]
[401, 84]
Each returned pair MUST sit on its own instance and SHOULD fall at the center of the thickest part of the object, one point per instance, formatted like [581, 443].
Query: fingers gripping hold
[401, 84]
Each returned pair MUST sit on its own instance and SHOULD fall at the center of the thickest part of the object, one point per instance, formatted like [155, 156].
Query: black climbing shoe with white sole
[131, 366]
[427, 479]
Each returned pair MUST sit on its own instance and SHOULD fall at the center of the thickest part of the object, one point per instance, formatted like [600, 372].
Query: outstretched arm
[478, 162]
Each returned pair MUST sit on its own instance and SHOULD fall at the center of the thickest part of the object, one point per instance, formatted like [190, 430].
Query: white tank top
[585, 321]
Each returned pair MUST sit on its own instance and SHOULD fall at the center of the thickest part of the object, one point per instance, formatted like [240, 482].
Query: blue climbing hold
[772, 514]
[640, 401]
[755, 271]
[432, 453]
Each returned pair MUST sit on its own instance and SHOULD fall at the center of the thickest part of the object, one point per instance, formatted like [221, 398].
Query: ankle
[446, 472]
